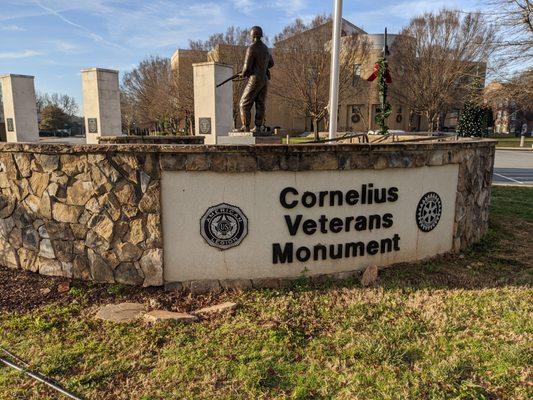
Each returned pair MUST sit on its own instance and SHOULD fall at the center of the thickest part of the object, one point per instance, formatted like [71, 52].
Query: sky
[54, 39]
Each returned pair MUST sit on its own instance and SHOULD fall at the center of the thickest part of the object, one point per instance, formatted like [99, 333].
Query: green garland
[386, 109]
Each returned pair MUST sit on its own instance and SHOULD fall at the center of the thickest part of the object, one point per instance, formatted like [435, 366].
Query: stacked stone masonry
[93, 212]
[148, 139]
[92, 216]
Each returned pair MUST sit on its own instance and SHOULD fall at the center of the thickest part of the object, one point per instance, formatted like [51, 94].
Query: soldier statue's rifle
[234, 77]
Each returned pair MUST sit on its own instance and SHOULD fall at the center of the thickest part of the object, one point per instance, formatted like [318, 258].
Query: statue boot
[242, 129]
[257, 130]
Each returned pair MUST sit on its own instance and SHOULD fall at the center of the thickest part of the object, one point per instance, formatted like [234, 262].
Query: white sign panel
[283, 224]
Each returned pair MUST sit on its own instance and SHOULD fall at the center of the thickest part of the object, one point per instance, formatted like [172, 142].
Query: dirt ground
[23, 291]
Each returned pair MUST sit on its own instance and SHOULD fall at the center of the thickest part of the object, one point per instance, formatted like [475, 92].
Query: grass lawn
[459, 327]
[502, 142]
[514, 142]
[297, 140]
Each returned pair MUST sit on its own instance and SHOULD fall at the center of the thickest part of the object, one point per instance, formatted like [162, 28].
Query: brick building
[356, 113]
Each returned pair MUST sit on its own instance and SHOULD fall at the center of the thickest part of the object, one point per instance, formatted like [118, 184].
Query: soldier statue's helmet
[256, 31]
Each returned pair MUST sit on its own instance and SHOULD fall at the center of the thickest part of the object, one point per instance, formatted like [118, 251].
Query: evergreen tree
[472, 120]
[53, 118]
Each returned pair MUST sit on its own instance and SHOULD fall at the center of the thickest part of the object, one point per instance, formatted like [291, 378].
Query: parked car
[62, 133]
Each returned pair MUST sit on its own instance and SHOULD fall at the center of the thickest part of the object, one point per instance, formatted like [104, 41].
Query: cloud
[88, 32]
[399, 13]
[408, 9]
[291, 7]
[129, 25]
[287, 7]
[21, 9]
[20, 54]
[245, 6]
[67, 47]
[12, 28]
[170, 24]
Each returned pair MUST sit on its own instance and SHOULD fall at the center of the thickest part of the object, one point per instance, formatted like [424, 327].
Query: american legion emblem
[224, 226]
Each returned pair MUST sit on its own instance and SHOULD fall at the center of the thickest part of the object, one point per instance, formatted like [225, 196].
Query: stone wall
[150, 139]
[93, 211]
[473, 195]
[92, 216]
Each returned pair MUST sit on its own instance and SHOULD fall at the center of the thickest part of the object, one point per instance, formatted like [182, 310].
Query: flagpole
[334, 80]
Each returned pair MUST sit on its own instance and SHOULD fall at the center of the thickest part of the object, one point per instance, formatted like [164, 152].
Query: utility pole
[334, 79]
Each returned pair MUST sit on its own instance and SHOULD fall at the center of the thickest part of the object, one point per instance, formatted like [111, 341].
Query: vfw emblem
[224, 226]
[205, 126]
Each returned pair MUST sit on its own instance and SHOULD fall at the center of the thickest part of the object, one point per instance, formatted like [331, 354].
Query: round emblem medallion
[224, 226]
[428, 211]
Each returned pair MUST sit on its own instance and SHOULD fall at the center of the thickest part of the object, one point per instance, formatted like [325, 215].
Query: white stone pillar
[20, 108]
[213, 107]
[101, 103]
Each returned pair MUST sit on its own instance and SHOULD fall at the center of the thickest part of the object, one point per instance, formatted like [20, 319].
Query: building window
[356, 74]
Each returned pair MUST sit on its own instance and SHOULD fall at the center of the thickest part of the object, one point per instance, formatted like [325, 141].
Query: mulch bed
[22, 291]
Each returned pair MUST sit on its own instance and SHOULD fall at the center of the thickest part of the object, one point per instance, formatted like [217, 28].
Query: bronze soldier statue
[256, 68]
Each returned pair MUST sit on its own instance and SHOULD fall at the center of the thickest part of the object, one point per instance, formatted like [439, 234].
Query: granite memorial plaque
[10, 126]
[92, 125]
[205, 126]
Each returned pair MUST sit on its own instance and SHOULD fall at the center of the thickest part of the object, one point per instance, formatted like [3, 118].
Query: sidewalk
[515, 148]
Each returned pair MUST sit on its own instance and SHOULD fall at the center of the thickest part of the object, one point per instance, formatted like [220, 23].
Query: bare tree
[128, 108]
[228, 48]
[234, 35]
[299, 26]
[513, 64]
[40, 101]
[302, 74]
[152, 91]
[185, 96]
[66, 103]
[514, 21]
[517, 90]
[436, 57]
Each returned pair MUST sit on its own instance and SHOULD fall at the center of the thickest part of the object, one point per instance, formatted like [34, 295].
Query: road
[513, 167]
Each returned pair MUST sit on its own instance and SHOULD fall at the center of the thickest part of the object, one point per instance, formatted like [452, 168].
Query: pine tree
[472, 120]
[53, 118]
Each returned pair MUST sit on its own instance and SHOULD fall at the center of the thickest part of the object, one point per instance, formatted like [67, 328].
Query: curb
[522, 185]
[515, 148]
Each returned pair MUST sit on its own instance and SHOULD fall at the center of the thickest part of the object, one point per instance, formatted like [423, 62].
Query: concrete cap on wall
[99, 70]
[212, 63]
[16, 76]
